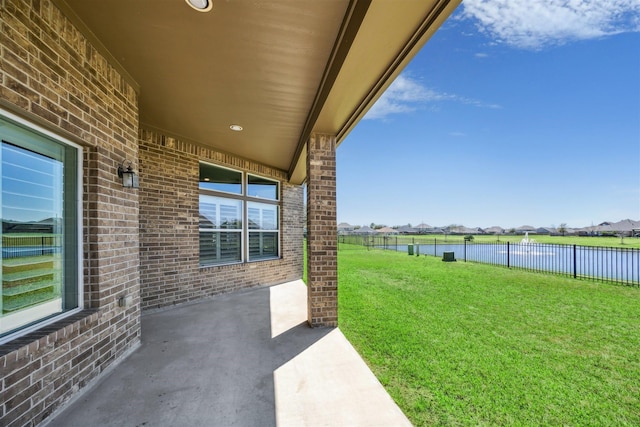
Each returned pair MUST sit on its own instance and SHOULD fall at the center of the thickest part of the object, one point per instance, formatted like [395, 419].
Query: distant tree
[409, 225]
[562, 229]
[468, 238]
[372, 225]
[512, 231]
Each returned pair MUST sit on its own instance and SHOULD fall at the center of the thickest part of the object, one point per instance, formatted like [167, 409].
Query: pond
[614, 264]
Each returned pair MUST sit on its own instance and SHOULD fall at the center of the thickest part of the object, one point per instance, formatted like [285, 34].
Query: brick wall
[322, 232]
[169, 218]
[50, 74]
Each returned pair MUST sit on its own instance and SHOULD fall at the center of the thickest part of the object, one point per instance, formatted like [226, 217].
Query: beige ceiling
[279, 68]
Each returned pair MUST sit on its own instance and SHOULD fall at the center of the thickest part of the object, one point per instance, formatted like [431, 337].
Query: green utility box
[410, 249]
[448, 257]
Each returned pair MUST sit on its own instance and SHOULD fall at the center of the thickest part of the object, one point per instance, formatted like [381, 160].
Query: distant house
[468, 230]
[461, 229]
[627, 227]
[406, 229]
[423, 228]
[387, 231]
[345, 228]
[605, 229]
[365, 230]
[549, 231]
[526, 229]
[568, 231]
[494, 230]
[583, 231]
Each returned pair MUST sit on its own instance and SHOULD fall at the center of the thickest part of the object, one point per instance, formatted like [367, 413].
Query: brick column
[322, 232]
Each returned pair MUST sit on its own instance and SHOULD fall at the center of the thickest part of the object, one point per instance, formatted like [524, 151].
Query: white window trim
[79, 252]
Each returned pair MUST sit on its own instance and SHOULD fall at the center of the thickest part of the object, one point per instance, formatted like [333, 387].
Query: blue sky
[515, 112]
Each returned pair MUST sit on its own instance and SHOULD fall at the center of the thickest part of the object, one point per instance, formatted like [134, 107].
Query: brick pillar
[322, 232]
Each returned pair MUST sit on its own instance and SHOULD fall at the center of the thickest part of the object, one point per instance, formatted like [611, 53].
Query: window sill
[46, 329]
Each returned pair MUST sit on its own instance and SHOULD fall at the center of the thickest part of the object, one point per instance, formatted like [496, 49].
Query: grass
[472, 344]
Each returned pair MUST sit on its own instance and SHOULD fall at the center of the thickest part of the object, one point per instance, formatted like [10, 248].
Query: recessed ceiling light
[200, 5]
[236, 128]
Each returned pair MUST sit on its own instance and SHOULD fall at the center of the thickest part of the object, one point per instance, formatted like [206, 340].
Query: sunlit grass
[472, 344]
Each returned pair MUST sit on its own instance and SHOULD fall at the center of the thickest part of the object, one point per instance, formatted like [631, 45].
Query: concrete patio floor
[242, 359]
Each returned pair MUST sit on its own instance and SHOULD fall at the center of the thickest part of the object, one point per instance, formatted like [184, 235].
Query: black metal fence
[618, 265]
[27, 246]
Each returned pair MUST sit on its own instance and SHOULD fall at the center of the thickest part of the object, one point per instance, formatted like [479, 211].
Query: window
[239, 216]
[262, 188]
[40, 228]
[220, 179]
[220, 230]
[263, 230]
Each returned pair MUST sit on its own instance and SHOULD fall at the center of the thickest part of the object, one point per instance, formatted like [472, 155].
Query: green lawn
[472, 344]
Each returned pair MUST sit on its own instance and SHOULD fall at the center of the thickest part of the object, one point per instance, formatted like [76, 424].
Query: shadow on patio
[245, 359]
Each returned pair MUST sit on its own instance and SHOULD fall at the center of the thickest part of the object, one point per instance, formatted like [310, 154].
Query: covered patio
[225, 111]
[250, 360]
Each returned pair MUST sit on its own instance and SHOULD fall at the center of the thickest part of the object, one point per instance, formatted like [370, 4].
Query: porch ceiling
[280, 69]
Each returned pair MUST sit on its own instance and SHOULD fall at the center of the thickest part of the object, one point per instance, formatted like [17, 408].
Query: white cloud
[533, 24]
[406, 95]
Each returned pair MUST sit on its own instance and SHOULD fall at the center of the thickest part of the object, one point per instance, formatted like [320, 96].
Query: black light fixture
[129, 177]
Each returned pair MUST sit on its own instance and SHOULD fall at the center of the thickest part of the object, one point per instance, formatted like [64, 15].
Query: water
[622, 265]
[28, 251]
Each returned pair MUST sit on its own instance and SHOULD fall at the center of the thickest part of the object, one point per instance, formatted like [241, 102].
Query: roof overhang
[281, 69]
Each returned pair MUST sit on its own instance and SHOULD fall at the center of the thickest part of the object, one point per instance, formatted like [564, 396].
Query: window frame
[245, 200]
[72, 247]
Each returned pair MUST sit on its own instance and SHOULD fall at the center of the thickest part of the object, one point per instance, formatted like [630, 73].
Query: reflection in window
[228, 233]
[263, 230]
[220, 179]
[262, 188]
[220, 230]
[39, 228]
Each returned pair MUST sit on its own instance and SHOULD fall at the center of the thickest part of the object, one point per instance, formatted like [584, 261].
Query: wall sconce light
[129, 177]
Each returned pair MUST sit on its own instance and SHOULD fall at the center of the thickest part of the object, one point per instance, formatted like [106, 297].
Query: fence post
[435, 246]
[508, 261]
[465, 250]
[575, 263]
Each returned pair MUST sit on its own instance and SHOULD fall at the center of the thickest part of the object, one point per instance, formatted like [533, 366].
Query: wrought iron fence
[26, 246]
[618, 265]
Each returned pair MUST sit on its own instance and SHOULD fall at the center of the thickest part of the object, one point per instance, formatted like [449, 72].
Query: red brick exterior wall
[169, 218]
[322, 232]
[51, 75]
